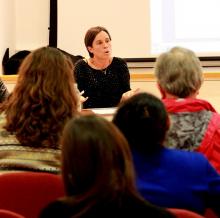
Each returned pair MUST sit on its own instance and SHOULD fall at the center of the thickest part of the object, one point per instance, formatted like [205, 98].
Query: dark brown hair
[96, 161]
[43, 98]
[91, 34]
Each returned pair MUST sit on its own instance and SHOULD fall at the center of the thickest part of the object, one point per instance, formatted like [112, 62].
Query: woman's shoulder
[82, 60]
[56, 209]
[81, 63]
[119, 63]
[81, 66]
[135, 208]
[118, 60]
[143, 208]
[191, 162]
[6, 137]
[185, 156]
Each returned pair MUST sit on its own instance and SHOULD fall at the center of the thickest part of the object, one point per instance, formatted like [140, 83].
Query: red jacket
[195, 126]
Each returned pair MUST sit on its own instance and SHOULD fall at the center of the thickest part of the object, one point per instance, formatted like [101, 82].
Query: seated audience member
[11, 65]
[104, 79]
[98, 174]
[166, 177]
[195, 125]
[3, 91]
[33, 116]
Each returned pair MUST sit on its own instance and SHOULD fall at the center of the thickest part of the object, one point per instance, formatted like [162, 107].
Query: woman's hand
[129, 94]
[82, 98]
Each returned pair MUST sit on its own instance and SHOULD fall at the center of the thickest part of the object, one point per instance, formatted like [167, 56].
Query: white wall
[127, 21]
[7, 15]
[24, 25]
[143, 28]
[31, 24]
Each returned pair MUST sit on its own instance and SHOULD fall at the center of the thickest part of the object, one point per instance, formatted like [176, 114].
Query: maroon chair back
[9, 214]
[209, 213]
[27, 193]
[182, 213]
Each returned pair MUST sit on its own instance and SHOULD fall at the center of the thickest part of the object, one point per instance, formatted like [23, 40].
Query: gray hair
[179, 72]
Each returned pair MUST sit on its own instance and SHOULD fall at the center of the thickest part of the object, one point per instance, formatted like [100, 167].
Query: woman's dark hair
[96, 161]
[91, 34]
[144, 122]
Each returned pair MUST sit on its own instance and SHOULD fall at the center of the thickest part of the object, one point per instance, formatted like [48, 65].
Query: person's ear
[90, 49]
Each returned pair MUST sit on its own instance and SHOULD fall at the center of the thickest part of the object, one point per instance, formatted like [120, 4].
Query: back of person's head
[43, 98]
[179, 72]
[144, 122]
[11, 66]
[91, 34]
[96, 160]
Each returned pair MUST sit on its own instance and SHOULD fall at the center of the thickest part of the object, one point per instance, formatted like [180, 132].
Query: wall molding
[134, 77]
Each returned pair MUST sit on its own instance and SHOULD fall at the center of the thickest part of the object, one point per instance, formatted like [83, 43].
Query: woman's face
[101, 46]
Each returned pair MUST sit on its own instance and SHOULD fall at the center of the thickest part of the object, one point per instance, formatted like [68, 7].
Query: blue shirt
[178, 179]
